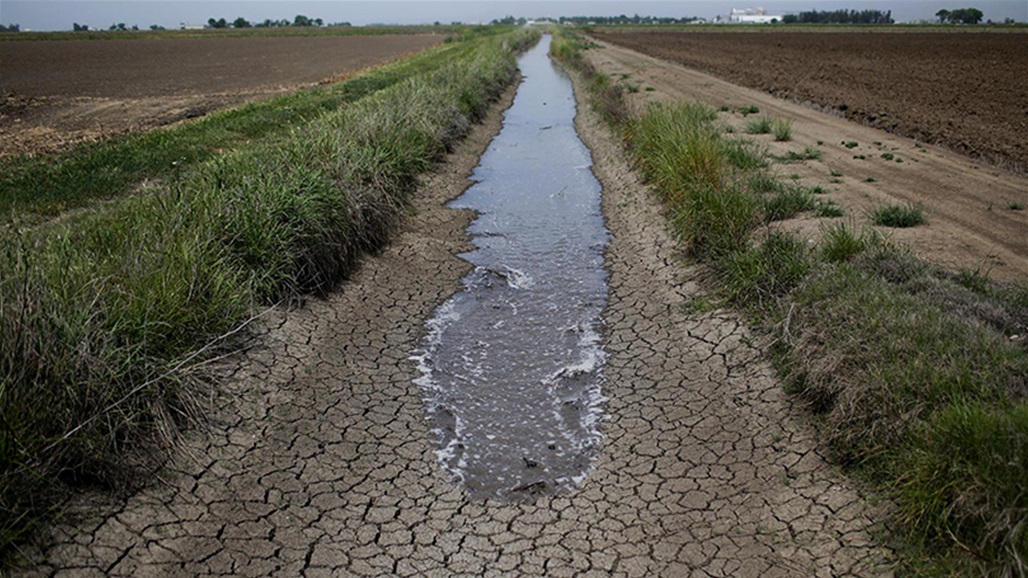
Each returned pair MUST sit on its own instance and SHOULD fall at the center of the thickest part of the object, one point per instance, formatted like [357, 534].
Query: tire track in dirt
[319, 460]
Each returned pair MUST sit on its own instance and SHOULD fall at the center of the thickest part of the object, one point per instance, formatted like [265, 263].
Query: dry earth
[970, 224]
[56, 93]
[318, 461]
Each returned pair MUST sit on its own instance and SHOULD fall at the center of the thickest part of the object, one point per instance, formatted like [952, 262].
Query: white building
[756, 15]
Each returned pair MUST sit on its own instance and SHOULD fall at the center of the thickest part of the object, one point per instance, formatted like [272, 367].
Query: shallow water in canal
[512, 364]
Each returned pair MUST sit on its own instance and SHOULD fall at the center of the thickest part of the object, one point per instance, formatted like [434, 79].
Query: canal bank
[321, 462]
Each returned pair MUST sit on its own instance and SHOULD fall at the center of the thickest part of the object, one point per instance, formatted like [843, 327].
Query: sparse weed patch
[1015, 206]
[807, 154]
[748, 110]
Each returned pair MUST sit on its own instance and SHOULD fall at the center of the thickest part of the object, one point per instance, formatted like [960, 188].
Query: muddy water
[512, 364]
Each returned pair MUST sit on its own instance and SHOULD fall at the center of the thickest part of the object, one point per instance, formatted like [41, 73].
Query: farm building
[756, 15]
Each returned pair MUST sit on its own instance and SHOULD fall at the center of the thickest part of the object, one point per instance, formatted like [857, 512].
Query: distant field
[57, 93]
[967, 91]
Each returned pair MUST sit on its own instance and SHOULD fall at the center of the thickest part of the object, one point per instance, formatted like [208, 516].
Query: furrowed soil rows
[55, 93]
[966, 91]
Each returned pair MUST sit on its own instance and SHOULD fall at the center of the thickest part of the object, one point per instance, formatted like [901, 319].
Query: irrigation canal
[511, 366]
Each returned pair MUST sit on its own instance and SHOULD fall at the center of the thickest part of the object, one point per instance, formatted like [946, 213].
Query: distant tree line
[10, 28]
[299, 20]
[840, 17]
[120, 26]
[624, 19]
[960, 16]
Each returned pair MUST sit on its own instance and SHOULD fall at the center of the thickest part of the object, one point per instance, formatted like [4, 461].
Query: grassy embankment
[918, 377]
[35, 188]
[103, 313]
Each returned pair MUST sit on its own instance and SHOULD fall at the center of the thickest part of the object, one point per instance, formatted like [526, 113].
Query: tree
[942, 15]
[241, 23]
[219, 23]
[966, 16]
[10, 28]
[79, 27]
[301, 20]
[119, 26]
[156, 27]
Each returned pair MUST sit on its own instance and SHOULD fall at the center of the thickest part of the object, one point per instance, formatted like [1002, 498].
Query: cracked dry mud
[319, 462]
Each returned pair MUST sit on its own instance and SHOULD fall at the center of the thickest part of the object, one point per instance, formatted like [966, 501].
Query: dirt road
[970, 220]
[319, 460]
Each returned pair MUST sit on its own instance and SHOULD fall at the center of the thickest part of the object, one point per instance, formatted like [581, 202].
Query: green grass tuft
[782, 129]
[828, 209]
[899, 216]
[760, 126]
[756, 277]
[787, 203]
[840, 242]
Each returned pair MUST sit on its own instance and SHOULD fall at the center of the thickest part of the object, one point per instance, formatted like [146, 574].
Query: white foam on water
[517, 279]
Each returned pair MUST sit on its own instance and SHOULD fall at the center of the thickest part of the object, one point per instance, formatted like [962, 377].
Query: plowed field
[55, 93]
[968, 92]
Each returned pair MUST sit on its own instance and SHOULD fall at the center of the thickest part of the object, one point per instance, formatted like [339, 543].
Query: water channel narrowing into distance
[512, 364]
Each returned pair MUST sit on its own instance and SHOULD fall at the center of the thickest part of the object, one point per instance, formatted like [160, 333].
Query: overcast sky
[60, 14]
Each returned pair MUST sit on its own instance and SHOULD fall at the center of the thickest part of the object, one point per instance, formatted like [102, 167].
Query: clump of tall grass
[608, 99]
[840, 242]
[758, 276]
[788, 202]
[761, 125]
[781, 128]
[899, 216]
[101, 314]
[679, 147]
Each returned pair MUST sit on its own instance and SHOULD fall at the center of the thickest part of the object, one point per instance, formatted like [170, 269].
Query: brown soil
[968, 92]
[970, 220]
[57, 93]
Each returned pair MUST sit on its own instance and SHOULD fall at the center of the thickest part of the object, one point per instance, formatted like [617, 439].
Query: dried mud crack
[319, 461]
